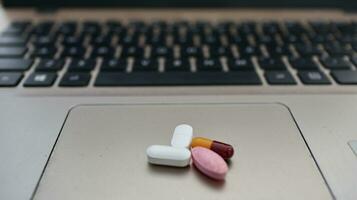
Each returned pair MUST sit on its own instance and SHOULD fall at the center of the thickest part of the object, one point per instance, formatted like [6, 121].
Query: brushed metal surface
[30, 126]
[100, 154]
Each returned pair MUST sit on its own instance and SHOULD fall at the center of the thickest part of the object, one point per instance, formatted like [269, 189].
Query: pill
[209, 163]
[182, 136]
[224, 150]
[168, 155]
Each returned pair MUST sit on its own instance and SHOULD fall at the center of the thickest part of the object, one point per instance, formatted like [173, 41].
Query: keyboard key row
[281, 48]
[48, 49]
[108, 52]
[81, 79]
[94, 27]
[267, 64]
[247, 35]
[46, 79]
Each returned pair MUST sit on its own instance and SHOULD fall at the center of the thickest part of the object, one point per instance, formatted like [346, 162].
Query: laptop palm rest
[100, 154]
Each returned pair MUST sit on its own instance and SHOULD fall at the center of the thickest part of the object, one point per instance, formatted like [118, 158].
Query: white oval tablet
[167, 155]
[182, 136]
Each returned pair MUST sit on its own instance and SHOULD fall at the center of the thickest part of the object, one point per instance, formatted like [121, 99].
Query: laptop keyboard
[137, 53]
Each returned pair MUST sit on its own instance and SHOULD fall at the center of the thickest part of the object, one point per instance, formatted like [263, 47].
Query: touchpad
[101, 154]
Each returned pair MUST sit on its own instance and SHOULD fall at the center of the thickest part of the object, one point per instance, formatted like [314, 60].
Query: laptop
[87, 86]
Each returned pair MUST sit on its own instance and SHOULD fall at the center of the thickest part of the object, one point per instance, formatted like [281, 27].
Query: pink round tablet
[209, 163]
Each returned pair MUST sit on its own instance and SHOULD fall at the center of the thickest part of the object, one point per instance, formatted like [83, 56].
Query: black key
[346, 27]
[101, 41]
[291, 38]
[336, 49]
[50, 65]
[345, 39]
[145, 65]
[275, 51]
[303, 64]
[73, 40]
[15, 64]
[238, 40]
[272, 64]
[103, 51]
[159, 24]
[247, 28]
[313, 78]
[10, 79]
[43, 28]
[271, 28]
[191, 51]
[16, 28]
[354, 46]
[220, 51]
[209, 65]
[129, 40]
[12, 41]
[40, 79]
[200, 26]
[178, 65]
[114, 65]
[321, 38]
[224, 27]
[279, 78]
[307, 50]
[183, 40]
[132, 52]
[137, 25]
[44, 41]
[162, 51]
[354, 60]
[248, 51]
[268, 40]
[44, 52]
[8, 52]
[321, 27]
[345, 77]
[73, 52]
[240, 64]
[335, 63]
[67, 28]
[178, 78]
[82, 65]
[115, 28]
[75, 80]
[91, 28]
[156, 39]
[210, 39]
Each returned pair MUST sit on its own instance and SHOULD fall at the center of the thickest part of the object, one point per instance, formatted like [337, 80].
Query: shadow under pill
[229, 163]
[167, 170]
[214, 184]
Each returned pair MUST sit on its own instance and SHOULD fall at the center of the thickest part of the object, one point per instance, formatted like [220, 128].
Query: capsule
[226, 151]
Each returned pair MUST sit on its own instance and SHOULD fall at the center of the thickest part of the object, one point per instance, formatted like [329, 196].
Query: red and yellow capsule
[226, 151]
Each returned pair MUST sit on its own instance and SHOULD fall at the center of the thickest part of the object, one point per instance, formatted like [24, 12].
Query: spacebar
[172, 79]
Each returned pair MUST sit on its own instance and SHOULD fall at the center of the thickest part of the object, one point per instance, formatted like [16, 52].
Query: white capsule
[182, 136]
[167, 155]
